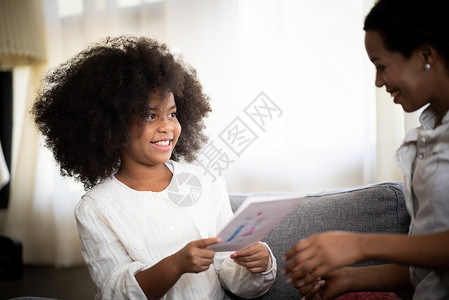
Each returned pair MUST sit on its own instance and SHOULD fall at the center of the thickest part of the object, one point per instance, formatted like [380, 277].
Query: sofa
[372, 208]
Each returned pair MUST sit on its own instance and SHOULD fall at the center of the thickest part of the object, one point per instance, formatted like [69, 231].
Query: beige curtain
[31, 216]
[24, 219]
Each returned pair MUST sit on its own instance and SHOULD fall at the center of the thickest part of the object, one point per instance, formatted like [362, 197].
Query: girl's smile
[163, 145]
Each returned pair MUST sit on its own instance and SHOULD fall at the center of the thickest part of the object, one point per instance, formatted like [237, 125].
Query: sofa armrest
[372, 208]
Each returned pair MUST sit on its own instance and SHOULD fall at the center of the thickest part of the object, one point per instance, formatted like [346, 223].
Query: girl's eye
[380, 68]
[151, 117]
[173, 115]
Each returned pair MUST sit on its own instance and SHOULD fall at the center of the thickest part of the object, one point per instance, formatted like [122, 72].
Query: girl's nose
[165, 125]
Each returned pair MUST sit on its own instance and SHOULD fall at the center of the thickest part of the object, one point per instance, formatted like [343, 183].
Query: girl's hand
[254, 258]
[195, 257]
[319, 254]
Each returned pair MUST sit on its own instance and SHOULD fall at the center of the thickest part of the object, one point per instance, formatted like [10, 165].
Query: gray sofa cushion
[373, 208]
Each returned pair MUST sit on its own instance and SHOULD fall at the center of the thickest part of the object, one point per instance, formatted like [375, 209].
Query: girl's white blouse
[124, 231]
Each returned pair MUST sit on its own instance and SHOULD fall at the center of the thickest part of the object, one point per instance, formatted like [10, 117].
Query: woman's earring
[427, 66]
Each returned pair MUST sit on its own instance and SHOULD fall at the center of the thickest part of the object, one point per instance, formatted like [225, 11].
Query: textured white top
[424, 160]
[124, 231]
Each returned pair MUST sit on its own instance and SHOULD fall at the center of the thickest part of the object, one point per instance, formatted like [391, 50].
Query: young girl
[408, 42]
[112, 116]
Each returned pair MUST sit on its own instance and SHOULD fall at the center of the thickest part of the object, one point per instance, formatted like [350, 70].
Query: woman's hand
[255, 258]
[319, 254]
[332, 285]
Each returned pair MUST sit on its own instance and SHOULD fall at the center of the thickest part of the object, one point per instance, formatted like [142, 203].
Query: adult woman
[408, 42]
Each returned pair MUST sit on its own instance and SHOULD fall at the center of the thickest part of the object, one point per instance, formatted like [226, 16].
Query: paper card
[254, 219]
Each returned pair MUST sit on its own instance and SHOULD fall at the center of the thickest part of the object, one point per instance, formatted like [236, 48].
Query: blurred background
[292, 90]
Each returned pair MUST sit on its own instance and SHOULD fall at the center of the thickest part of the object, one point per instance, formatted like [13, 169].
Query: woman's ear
[428, 54]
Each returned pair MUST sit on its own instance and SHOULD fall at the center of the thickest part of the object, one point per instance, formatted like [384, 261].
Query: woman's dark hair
[86, 105]
[407, 24]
